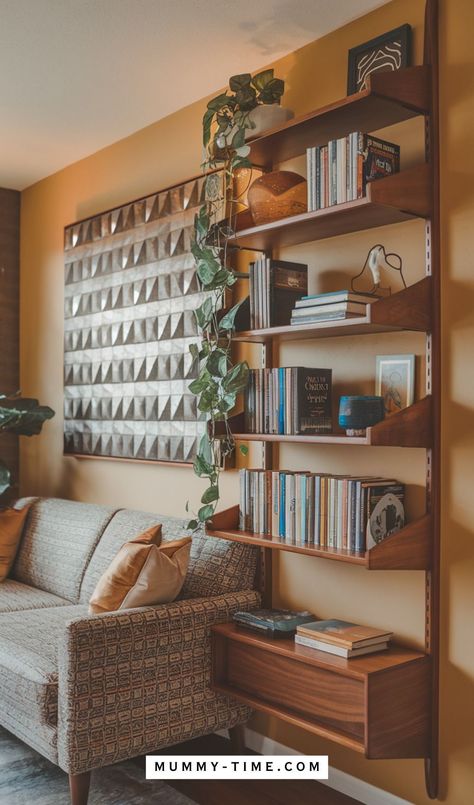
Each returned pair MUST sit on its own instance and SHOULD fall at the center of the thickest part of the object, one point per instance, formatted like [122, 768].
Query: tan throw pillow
[144, 572]
[11, 529]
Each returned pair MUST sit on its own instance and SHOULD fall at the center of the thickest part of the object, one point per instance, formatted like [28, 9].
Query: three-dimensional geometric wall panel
[130, 294]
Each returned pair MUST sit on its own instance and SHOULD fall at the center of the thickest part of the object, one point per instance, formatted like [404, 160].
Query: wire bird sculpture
[377, 261]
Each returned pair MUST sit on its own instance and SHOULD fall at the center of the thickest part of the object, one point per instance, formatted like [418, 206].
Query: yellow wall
[168, 152]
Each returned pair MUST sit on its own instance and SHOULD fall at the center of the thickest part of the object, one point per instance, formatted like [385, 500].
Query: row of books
[289, 400]
[342, 638]
[339, 171]
[274, 287]
[332, 511]
[330, 306]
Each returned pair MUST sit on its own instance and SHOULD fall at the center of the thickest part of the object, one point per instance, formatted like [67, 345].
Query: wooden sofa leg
[237, 739]
[79, 787]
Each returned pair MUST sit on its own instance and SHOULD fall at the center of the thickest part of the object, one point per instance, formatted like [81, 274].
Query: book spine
[309, 177]
[323, 519]
[298, 508]
[243, 506]
[281, 400]
[317, 178]
[317, 510]
[309, 528]
[360, 165]
[275, 530]
[282, 527]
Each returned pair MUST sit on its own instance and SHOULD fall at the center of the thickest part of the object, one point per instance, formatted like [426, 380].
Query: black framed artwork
[390, 51]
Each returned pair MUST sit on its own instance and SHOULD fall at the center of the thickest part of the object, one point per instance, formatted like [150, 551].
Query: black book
[288, 284]
[312, 400]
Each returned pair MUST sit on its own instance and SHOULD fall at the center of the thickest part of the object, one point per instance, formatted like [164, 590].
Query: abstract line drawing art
[390, 51]
[131, 290]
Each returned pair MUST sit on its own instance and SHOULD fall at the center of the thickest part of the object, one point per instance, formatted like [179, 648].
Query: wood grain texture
[389, 200]
[390, 98]
[408, 549]
[376, 704]
[9, 311]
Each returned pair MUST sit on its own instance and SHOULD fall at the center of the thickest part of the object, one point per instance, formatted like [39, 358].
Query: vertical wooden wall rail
[433, 383]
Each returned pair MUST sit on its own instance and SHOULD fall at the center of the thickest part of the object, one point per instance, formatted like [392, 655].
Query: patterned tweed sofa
[87, 691]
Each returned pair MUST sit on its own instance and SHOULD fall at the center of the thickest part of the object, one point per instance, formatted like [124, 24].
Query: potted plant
[22, 416]
[251, 104]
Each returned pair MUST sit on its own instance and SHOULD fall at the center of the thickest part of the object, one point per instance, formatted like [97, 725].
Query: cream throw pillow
[11, 529]
[144, 572]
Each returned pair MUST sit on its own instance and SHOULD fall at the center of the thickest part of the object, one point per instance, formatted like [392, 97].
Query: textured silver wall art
[130, 294]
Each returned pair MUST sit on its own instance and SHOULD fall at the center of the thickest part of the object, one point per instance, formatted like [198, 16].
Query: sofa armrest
[133, 681]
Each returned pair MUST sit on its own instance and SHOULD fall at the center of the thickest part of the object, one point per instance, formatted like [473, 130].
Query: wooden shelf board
[391, 200]
[410, 427]
[408, 309]
[408, 549]
[289, 716]
[356, 668]
[386, 101]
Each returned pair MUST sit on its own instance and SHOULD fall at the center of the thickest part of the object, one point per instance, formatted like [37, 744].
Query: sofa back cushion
[58, 541]
[216, 566]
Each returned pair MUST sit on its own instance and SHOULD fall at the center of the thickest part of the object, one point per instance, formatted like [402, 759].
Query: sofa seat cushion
[58, 540]
[15, 596]
[29, 665]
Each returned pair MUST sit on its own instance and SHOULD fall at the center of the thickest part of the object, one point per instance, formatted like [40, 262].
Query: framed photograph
[395, 381]
[390, 51]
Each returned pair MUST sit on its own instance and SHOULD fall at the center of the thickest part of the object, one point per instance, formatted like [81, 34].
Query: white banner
[237, 767]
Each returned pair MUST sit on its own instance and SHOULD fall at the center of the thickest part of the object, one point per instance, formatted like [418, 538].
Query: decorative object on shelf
[387, 517]
[272, 622]
[235, 114]
[342, 638]
[22, 416]
[379, 262]
[395, 381]
[276, 195]
[131, 291]
[390, 51]
[357, 413]
[267, 116]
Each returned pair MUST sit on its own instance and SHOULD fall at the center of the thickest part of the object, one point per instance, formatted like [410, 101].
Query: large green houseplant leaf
[22, 416]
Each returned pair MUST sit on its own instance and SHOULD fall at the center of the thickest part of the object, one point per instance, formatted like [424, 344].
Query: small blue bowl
[358, 413]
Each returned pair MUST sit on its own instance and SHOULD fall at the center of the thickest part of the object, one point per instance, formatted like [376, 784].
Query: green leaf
[192, 525]
[194, 350]
[23, 416]
[205, 449]
[243, 449]
[260, 80]
[204, 513]
[216, 360]
[4, 478]
[273, 91]
[238, 140]
[228, 321]
[243, 151]
[218, 102]
[207, 270]
[204, 313]
[202, 468]
[237, 82]
[210, 495]
[206, 127]
[237, 378]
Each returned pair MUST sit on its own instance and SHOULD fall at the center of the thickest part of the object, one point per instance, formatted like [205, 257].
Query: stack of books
[330, 306]
[342, 638]
[289, 400]
[339, 171]
[274, 288]
[303, 508]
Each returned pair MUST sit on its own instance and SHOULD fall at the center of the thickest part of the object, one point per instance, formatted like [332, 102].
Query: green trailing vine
[219, 379]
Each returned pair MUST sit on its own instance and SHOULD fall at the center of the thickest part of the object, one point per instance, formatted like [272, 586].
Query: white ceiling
[77, 75]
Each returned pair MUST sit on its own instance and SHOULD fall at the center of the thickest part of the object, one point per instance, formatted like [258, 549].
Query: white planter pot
[267, 116]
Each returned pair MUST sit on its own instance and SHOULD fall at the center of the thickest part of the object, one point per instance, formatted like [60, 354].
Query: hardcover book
[313, 404]
[343, 633]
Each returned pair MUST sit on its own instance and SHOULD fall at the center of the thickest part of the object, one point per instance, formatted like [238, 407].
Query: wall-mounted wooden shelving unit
[384, 705]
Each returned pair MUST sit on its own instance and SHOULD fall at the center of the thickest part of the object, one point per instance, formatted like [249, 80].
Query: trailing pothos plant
[219, 379]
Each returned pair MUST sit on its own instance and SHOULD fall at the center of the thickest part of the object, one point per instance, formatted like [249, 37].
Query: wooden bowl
[277, 195]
